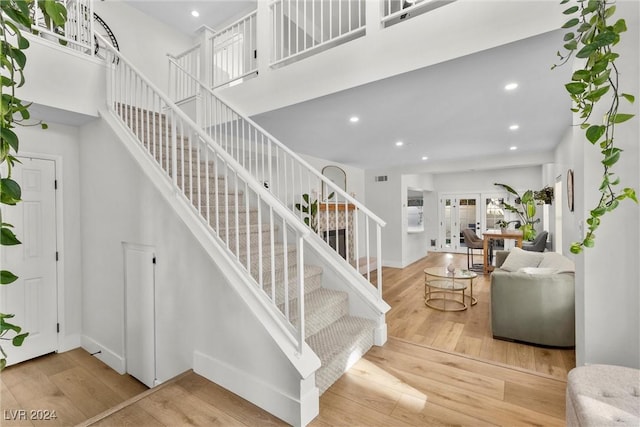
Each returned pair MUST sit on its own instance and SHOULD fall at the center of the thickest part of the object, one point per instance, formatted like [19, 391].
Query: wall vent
[381, 178]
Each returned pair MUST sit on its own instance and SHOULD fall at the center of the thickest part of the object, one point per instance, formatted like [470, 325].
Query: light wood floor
[74, 384]
[467, 332]
[452, 373]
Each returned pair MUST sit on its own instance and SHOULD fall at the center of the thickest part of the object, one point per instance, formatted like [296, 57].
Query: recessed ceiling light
[513, 148]
[511, 86]
[354, 119]
[425, 158]
[195, 13]
[399, 144]
[514, 127]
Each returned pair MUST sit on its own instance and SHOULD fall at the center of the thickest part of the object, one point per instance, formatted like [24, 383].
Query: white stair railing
[300, 26]
[183, 87]
[340, 220]
[240, 213]
[233, 52]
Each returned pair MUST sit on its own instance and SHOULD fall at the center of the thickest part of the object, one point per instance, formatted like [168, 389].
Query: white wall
[62, 143]
[197, 309]
[143, 40]
[483, 181]
[608, 276]
[78, 86]
[385, 199]
[355, 176]
[416, 245]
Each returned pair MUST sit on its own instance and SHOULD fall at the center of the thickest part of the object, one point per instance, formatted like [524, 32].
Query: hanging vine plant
[591, 37]
[15, 16]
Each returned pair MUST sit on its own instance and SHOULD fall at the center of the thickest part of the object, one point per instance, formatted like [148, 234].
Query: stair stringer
[295, 403]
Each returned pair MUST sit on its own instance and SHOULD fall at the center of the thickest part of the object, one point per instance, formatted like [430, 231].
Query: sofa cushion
[558, 262]
[519, 258]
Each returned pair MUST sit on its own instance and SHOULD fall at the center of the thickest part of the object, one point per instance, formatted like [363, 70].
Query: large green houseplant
[15, 17]
[525, 206]
[592, 33]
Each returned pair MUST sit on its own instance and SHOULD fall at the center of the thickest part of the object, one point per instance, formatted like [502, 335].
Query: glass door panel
[469, 215]
[448, 224]
[457, 213]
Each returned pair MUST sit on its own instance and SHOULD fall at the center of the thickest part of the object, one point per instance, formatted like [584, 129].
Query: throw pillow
[537, 271]
[557, 261]
[519, 258]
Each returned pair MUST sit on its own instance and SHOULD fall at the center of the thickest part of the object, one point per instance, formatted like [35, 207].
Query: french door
[458, 212]
[478, 211]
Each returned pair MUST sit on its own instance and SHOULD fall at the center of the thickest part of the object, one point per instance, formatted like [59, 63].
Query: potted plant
[525, 207]
[504, 224]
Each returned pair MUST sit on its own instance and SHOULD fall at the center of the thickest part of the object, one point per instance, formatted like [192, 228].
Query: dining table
[494, 235]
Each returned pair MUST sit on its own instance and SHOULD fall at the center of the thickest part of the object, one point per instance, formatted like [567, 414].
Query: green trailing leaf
[571, 10]
[9, 136]
[602, 78]
[605, 38]
[628, 97]
[620, 118]
[7, 327]
[595, 132]
[8, 238]
[575, 87]
[584, 75]
[586, 51]
[19, 339]
[595, 95]
[569, 36]
[630, 193]
[620, 26]
[571, 23]
[10, 192]
[7, 277]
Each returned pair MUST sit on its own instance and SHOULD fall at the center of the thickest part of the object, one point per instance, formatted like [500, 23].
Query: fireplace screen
[337, 240]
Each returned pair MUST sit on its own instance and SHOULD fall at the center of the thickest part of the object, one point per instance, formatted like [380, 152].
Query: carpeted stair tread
[312, 281]
[339, 345]
[321, 308]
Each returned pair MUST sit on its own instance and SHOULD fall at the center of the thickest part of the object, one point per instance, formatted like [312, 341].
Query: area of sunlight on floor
[377, 376]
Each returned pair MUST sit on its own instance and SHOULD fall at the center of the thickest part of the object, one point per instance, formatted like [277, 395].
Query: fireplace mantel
[336, 206]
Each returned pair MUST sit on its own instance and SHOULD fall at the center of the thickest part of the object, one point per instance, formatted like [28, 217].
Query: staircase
[336, 337]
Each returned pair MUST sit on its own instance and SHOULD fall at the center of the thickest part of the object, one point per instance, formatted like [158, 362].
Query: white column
[263, 37]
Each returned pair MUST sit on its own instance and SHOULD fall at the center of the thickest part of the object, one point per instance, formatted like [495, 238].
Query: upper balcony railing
[296, 29]
[233, 52]
[395, 11]
[78, 31]
[301, 26]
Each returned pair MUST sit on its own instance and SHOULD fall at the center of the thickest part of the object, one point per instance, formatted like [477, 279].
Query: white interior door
[33, 298]
[140, 345]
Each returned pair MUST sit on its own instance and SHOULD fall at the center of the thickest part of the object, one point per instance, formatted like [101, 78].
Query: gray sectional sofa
[533, 298]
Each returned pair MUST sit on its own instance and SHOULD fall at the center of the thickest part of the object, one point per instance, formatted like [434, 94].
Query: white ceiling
[177, 13]
[456, 110]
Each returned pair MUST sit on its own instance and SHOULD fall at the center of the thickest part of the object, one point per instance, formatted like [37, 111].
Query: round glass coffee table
[442, 286]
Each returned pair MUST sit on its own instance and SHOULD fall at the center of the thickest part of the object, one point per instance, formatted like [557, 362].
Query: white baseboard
[112, 359]
[294, 410]
[393, 264]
